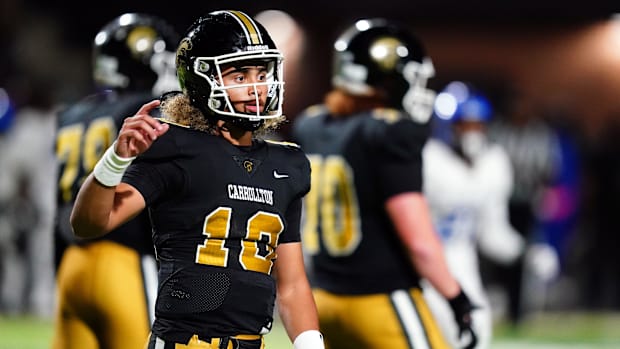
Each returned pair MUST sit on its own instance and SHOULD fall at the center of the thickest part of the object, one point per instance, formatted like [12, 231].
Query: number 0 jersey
[218, 213]
[358, 163]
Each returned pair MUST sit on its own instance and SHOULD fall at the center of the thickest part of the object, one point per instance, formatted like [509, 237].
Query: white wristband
[311, 339]
[110, 168]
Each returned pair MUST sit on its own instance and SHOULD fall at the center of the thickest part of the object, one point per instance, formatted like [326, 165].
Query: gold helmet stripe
[249, 27]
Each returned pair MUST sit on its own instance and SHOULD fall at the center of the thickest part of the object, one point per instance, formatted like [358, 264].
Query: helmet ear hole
[215, 103]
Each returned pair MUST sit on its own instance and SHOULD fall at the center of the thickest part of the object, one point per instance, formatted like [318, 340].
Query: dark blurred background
[558, 54]
[554, 62]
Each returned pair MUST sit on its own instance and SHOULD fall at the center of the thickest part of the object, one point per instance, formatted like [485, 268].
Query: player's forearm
[297, 310]
[432, 266]
[91, 213]
[411, 218]
[430, 262]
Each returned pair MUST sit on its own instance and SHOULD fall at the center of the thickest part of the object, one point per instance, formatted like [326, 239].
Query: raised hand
[139, 132]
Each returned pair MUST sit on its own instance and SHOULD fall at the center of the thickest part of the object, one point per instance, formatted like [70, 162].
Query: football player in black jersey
[107, 286]
[224, 205]
[366, 224]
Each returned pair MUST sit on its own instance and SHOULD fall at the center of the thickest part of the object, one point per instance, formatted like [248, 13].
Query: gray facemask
[472, 143]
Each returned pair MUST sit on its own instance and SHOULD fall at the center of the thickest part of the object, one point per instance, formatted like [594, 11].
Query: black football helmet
[224, 38]
[135, 52]
[378, 56]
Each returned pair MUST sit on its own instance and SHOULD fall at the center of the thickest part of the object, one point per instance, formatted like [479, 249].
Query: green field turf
[545, 331]
[24, 333]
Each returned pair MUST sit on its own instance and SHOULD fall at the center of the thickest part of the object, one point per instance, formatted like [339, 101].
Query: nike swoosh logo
[279, 175]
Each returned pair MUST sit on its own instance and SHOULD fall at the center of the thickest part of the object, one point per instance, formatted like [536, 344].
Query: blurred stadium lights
[447, 101]
[613, 37]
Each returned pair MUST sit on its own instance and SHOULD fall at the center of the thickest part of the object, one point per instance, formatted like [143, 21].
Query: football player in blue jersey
[366, 223]
[225, 206]
[107, 286]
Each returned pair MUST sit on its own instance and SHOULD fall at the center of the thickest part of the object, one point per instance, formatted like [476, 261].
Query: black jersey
[218, 213]
[358, 163]
[85, 130]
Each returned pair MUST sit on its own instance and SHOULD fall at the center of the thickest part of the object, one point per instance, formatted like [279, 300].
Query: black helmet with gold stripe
[220, 39]
[381, 57]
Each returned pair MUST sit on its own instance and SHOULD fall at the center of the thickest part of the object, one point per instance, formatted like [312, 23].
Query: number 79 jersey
[218, 213]
[85, 130]
[358, 162]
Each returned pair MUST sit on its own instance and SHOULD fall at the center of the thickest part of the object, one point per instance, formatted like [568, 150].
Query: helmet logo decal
[249, 27]
[140, 40]
[385, 52]
[184, 46]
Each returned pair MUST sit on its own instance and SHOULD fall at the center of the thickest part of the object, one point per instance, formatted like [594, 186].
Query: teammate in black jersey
[107, 286]
[366, 223]
[225, 206]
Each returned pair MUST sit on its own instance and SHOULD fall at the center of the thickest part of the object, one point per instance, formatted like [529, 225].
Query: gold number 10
[257, 247]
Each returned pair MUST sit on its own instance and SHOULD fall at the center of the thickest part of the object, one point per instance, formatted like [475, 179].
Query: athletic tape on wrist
[110, 168]
[311, 339]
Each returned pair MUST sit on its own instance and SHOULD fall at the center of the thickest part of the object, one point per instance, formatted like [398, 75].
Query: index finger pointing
[146, 108]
